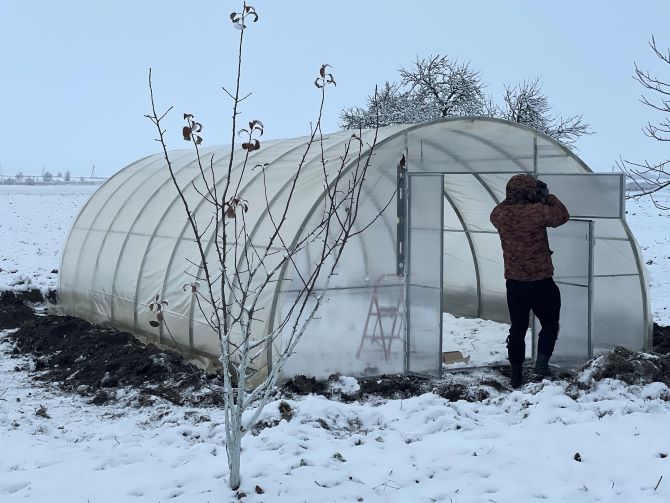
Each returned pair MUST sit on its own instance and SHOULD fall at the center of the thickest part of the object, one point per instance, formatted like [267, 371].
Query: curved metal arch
[144, 169]
[477, 177]
[282, 272]
[84, 208]
[475, 258]
[190, 161]
[378, 206]
[265, 212]
[188, 154]
[477, 118]
[103, 206]
[186, 226]
[161, 220]
[491, 145]
[644, 288]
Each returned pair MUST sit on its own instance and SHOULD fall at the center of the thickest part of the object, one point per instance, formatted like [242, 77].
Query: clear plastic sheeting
[424, 275]
[132, 241]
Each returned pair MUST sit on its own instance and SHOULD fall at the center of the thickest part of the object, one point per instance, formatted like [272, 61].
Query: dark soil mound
[94, 361]
[13, 311]
[661, 342]
[303, 385]
[386, 386]
[394, 386]
[630, 367]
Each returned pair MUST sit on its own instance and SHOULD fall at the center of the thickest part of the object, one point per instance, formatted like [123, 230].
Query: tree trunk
[234, 453]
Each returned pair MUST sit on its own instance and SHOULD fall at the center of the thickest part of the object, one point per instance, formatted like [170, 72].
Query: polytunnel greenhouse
[433, 251]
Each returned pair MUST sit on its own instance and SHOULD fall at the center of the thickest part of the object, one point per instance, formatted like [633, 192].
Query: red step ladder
[377, 331]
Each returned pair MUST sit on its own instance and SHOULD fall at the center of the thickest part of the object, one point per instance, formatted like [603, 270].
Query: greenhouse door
[573, 273]
[423, 341]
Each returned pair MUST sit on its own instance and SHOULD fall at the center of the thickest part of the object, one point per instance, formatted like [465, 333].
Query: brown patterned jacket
[522, 220]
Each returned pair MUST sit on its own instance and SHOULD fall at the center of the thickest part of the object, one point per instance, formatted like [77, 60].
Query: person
[522, 220]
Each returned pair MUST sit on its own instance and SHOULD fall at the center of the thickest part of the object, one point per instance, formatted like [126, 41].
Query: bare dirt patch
[97, 362]
[661, 341]
[13, 311]
[629, 366]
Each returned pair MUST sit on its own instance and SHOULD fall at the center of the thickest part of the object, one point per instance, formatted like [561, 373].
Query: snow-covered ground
[482, 340]
[651, 228]
[511, 447]
[34, 222]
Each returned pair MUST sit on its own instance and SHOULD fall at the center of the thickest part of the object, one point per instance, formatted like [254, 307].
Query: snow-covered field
[34, 222]
[512, 447]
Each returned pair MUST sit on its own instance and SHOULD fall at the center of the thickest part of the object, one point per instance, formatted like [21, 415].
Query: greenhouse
[433, 251]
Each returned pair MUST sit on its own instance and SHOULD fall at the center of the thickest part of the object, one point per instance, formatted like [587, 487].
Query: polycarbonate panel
[609, 228]
[571, 244]
[492, 276]
[572, 346]
[496, 184]
[451, 220]
[614, 257]
[357, 332]
[470, 146]
[369, 337]
[588, 195]
[460, 275]
[424, 275]
[617, 304]
[472, 201]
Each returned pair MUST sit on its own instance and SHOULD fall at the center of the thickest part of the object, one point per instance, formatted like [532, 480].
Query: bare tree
[391, 105]
[435, 87]
[431, 88]
[453, 88]
[650, 177]
[229, 287]
[525, 103]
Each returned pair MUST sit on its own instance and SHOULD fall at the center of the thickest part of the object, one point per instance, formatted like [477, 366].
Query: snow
[511, 447]
[516, 446]
[482, 340]
[651, 228]
[345, 385]
[34, 224]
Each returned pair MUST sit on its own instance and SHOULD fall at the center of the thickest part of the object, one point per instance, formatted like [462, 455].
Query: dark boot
[542, 365]
[516, 375]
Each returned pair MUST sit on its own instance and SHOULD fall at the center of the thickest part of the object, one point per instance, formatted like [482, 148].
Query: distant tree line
[45, 178]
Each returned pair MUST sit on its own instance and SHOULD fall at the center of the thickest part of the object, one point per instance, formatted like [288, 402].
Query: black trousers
[542, 297]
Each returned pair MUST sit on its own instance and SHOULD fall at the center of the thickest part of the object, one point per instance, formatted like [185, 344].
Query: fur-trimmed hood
[522, 189]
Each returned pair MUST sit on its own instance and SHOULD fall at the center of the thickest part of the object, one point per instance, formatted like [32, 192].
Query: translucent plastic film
[424, 281]
[572, 245]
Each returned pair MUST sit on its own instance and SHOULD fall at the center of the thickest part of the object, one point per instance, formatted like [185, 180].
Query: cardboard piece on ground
[449, 357]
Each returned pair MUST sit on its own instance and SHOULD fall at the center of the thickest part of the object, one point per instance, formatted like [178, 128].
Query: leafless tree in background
[435, 87]
[431, 88]
[650, 177]
[229, 288]
[525, 103]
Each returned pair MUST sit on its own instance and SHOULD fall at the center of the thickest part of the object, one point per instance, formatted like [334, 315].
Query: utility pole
[93, 171]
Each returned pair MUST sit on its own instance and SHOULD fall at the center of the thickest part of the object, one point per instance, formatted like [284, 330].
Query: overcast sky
[73, 88]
